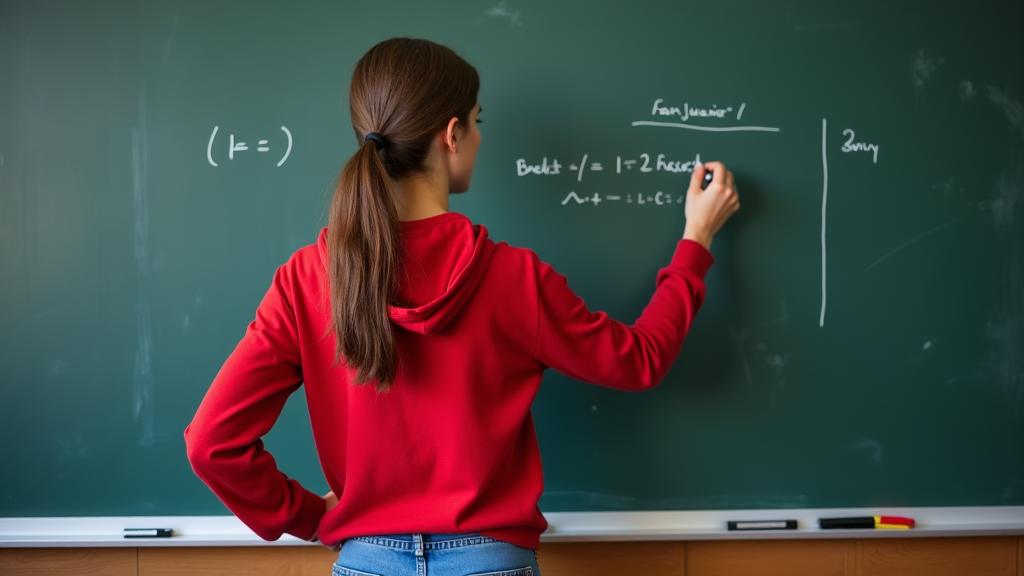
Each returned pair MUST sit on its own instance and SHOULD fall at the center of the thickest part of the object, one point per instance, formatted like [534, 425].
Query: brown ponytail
[405, 90]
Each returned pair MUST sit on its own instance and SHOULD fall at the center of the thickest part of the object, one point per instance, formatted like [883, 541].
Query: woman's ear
[449, 135]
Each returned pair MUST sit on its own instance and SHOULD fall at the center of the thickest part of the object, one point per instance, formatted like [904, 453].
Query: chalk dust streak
[914, 240]
[142, 374]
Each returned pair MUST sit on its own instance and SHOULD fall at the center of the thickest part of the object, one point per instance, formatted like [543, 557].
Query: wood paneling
[852, 556]
[613, 559]
[318, 561]
[237, 561]
[936, 557]
[1020, 556]
[766, 558]
[83, 561]
[980, 556]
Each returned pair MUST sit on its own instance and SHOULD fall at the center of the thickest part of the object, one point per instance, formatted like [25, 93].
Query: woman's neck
[423, 195]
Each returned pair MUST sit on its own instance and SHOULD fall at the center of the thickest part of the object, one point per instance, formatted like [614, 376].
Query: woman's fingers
[697, 176]
[719, 172]
[708, 210]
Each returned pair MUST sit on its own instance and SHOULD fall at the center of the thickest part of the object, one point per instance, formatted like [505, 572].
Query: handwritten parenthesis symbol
[289, 150]
[209, 147]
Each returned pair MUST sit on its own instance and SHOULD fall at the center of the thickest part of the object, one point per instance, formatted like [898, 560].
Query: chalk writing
[639, 198]
[239, 146]
[851, 146]
[687, 114]
[522, 168]
[661, 163]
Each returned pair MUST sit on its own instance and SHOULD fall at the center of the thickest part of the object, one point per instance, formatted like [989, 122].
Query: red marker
[897, 522]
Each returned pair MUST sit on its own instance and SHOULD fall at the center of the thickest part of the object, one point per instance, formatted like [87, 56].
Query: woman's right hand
[330, 501]
[707, 210]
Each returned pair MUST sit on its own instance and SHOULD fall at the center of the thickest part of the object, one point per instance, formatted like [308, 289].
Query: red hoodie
[451, 448]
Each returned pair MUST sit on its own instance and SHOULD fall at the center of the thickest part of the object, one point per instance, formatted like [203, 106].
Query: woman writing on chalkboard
[422, 343]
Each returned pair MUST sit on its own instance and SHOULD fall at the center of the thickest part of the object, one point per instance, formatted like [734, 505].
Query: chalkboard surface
[862, 342]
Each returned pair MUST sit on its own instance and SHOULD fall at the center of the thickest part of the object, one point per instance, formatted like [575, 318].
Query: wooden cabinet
[978, 556]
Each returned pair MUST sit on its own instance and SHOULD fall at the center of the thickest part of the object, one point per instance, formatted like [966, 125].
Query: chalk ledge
[565, 527]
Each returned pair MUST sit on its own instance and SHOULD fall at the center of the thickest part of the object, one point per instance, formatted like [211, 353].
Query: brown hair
[405, 90]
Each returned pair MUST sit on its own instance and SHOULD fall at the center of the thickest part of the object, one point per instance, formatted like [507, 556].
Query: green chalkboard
[862, 342]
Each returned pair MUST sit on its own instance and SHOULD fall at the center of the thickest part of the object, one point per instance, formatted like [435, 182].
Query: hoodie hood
[444, 259]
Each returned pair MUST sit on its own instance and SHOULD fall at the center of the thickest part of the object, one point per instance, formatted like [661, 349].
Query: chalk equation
[642, 163]
[657, 199]
[234, 146]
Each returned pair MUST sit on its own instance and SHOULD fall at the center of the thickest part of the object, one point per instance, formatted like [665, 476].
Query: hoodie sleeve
[594, 348]
[224, 441]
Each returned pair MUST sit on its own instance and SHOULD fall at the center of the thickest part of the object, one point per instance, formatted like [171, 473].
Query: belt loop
[418, 541]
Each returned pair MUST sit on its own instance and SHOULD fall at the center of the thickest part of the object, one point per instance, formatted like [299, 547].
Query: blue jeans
[434, 555]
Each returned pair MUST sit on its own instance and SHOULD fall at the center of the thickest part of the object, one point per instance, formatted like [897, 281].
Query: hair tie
[378, 140]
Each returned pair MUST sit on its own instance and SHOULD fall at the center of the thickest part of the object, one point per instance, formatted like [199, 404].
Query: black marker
[708, 176]
[146, 532]
[763, 525]
[846, 523]
[895, 522]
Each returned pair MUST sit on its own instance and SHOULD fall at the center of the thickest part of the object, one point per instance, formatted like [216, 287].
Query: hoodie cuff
[305, 523]
[693, 257]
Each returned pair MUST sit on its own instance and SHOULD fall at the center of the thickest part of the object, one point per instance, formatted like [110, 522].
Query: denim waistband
[430, 541]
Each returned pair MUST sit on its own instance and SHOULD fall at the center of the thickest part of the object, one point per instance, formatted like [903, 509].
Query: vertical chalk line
[582, 164]
[824, 199]
[142, 373]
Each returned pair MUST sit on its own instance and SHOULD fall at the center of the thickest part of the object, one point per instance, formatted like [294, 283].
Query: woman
[422, 344]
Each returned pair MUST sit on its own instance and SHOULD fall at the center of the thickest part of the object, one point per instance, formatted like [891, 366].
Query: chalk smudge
[775, 361]
[174, 29]
[500, 11]
[142, 374]
[1011, 108]
[72, 448]
[874, 447]
[1005, 362]
[1003, 206]
[967, 90]
[58, 366]
[946, 187]
[197, 301]
[1004, 330]
[922, 68]
[741, 337]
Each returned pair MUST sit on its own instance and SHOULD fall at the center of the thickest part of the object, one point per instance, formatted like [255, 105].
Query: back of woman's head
[404, 91]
